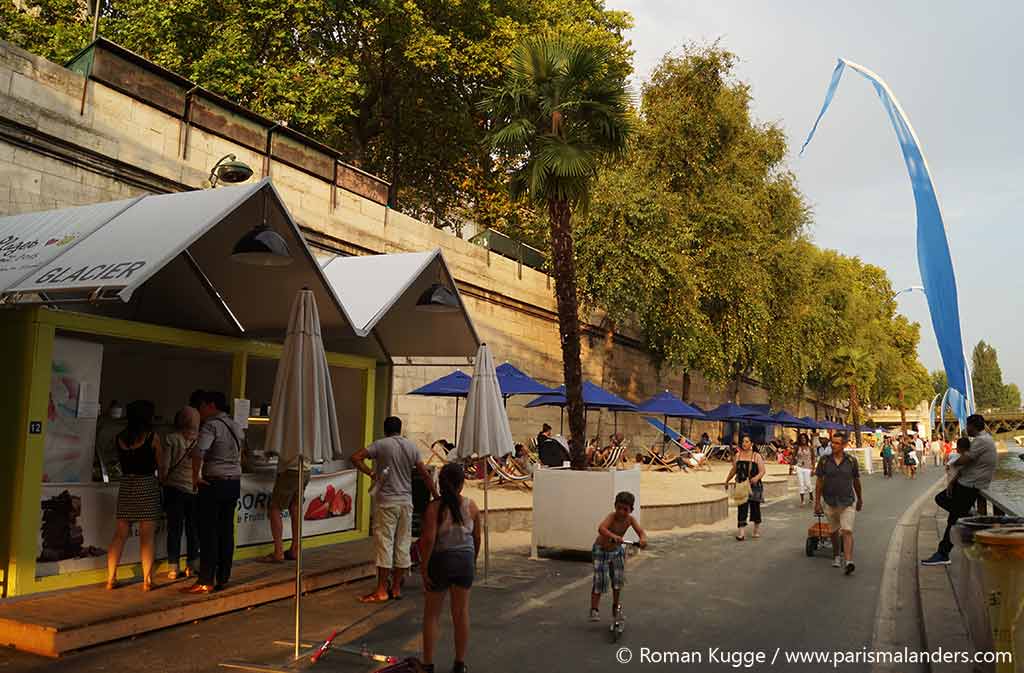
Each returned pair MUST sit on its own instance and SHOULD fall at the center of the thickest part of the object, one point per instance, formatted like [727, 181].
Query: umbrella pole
[487, 528]
[561, 421]
[298, 564]
[456, 439]
[664, 436]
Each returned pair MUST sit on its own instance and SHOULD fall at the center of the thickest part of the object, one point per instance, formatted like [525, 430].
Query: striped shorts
[609, 568]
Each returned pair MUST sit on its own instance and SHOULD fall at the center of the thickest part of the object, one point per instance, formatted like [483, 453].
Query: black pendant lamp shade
[437, 298]
[262, 246]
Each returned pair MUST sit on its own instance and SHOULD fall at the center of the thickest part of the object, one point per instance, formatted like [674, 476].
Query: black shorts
[451, 568]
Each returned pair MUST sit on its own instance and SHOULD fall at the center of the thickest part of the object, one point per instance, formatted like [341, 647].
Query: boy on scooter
[610, 557]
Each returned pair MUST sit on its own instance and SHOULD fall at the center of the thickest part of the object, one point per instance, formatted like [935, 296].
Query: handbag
[741, 492]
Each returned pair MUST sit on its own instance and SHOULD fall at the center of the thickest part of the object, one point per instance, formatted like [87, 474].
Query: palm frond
[514, 135]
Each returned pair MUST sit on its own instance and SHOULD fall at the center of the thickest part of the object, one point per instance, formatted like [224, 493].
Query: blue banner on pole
[933, 256]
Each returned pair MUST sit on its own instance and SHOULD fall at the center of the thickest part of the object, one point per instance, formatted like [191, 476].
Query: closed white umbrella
[303, 423]
[485, 428]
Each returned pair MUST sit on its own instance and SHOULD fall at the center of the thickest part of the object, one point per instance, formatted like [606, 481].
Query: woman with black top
[748, 466]
[449, 547]
[138, 496]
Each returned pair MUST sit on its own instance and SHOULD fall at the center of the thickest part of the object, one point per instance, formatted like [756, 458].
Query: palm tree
[852, 369]
[555, 116]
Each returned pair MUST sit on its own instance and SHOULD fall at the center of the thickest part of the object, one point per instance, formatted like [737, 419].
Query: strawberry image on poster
[334, 502]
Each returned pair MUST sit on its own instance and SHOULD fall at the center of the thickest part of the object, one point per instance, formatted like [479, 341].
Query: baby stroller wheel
[811, 547]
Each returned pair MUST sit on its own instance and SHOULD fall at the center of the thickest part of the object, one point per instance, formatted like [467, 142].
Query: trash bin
[968, 527]
[1001, 551]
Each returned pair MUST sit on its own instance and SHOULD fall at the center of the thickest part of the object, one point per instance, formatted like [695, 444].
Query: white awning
[379, 293]
[166, 259]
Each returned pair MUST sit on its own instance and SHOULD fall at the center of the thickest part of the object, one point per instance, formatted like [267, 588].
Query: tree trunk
[564, 266]
[855, 409]
[903, 415]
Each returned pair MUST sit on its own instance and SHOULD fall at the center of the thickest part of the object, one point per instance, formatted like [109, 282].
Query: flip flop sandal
[373, 599]
[269, 558]
[289, 556]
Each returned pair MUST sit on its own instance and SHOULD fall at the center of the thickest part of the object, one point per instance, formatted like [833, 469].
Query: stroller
[819, 536]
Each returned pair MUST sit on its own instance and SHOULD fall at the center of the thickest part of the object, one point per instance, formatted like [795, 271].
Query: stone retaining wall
[55, 152]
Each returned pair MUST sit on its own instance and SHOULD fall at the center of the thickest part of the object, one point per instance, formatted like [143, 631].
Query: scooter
[618, 625]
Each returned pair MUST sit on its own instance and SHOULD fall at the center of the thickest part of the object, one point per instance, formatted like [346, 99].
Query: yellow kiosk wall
[26, 340]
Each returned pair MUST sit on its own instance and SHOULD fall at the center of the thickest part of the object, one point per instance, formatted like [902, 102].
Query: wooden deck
[53, 623]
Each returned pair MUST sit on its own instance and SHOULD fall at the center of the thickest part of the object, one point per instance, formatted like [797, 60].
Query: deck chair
[721, 452]
[507, 476]
[686, 449]
[438, 452]
[614, 458]
[658, 462]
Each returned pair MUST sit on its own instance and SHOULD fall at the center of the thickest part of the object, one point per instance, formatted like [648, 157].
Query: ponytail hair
[450, 481]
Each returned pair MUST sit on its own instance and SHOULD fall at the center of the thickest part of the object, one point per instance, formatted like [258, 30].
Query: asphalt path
[692, 593]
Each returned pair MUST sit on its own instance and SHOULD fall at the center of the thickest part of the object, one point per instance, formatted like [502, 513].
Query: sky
[952, 66]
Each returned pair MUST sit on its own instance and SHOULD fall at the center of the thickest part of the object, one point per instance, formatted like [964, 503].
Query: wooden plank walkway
[53, 623]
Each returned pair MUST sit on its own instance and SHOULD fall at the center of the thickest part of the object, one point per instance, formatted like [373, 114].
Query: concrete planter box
[569, 504]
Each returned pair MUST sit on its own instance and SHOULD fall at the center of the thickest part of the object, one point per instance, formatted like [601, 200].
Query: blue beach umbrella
[788, 420]
[668, 405]
[511, 381]
[594, 397]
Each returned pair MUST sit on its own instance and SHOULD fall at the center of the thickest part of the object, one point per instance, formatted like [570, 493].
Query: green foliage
[987, 377]
[1011, 396]
[394, 84]
[940, 384]
[558, 113]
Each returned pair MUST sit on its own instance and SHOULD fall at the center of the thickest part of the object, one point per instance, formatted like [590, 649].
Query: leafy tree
[1011, 396]
[394, 85]
[853, 369]
[940, 384]
[702, 225]
[901, 380]
[987, 377]
[557, 114]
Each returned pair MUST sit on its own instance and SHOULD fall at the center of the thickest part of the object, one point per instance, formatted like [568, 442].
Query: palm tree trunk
[564, 266]
[855, 409]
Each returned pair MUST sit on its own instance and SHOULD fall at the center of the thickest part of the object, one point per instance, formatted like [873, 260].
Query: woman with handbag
[179, 499]
[748, 468]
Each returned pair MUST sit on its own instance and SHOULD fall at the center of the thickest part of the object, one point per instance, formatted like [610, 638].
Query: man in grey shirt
[976, 469]
[216, 477]
[838, 482]
[394, 458]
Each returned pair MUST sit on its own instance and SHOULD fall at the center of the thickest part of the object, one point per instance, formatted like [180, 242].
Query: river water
[1008, 483]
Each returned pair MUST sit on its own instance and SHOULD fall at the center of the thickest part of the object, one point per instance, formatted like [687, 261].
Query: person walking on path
[748, 467]
[216, 478]
[976, 468]
[804, 463]
[179, 499]
[838, 482]
[450, 544]
[887, 455]
[138, 494]
[394, 458]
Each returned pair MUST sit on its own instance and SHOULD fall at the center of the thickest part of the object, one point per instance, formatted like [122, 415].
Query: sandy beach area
[657, 488]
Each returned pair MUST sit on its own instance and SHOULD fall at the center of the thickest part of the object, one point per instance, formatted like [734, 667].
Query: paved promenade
[690, 592]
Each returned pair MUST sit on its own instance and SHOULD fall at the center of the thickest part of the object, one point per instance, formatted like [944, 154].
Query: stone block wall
[55, 152]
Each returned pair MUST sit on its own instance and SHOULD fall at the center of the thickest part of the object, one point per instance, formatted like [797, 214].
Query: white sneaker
[595, 616]
[837, 562]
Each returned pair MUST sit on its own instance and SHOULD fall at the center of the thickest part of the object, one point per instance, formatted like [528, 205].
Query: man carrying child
[610, 556]
[975, 468]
